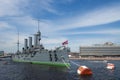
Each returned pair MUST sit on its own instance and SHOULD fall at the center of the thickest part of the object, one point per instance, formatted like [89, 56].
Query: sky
[81, 22]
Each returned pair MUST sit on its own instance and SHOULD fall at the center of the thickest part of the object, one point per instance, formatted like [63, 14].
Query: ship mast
[38, 25]
[37, 35]
[18, 43]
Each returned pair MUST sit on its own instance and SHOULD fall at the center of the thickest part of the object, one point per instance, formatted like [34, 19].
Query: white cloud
[53, 40]
[4, 25]
[47, 5]
[11, 7]
[19, 7]
[30, 25]
[9, 41]
[99, 16]
[108, 31]
[40, 7]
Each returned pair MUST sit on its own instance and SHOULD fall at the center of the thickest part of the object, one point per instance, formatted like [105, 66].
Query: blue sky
[81, 22]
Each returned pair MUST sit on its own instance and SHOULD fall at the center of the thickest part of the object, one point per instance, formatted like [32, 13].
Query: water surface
[10, 70]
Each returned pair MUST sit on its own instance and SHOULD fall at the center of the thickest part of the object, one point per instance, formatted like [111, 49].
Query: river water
[10, 70]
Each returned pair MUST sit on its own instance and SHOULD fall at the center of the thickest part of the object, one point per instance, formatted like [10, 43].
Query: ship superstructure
[39, 55]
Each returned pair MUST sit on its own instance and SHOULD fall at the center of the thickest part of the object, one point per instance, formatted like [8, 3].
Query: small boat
[110, 66]
[84, 70]
[105, 61]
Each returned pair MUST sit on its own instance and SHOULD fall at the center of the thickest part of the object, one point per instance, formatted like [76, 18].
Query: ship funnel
[30, 42]
[35, 40]
[26, 43]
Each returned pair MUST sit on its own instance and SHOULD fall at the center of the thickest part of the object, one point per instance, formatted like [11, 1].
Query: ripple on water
[26, 71]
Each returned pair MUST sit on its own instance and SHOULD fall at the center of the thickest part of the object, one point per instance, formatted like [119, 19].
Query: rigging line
[65, 64]
[74, 63]
[38, 21]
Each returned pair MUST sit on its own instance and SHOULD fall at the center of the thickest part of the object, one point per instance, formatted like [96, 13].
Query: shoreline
[94, 58]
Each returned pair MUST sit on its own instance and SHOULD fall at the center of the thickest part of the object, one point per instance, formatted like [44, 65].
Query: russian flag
[65, 42]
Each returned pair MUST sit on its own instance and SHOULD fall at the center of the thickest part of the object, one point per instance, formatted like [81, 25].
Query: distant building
[100, 50]
[74, 54]
[1, 53]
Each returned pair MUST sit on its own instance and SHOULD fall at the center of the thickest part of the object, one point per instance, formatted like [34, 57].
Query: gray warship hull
[54, 58]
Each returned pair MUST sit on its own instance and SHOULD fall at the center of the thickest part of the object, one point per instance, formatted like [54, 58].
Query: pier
[95, 58]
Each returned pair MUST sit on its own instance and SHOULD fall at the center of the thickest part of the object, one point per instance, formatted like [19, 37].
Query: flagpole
[67, 44]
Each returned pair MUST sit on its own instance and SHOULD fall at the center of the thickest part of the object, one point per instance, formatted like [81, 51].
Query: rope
[65, 63]
[74, 63]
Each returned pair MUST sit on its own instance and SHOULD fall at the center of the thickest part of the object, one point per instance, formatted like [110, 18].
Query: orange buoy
[110, 66]
[84, 70]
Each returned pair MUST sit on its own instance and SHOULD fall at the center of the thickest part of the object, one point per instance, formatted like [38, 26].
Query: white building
[107, 49]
